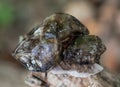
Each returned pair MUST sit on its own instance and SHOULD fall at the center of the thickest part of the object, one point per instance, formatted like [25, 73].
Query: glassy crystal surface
[60, 42]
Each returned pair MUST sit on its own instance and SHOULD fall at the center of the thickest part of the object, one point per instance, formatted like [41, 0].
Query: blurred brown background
[17, 17]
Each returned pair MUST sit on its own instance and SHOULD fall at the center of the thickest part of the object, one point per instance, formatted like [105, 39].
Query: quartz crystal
[61, 44]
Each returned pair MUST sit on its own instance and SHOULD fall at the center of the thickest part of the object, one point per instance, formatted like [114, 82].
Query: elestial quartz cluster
[61, 45]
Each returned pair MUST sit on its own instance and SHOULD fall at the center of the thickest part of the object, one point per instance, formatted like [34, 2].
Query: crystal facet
[60, 41]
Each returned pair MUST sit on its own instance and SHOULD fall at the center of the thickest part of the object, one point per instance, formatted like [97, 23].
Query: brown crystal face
[83, 53]
[59, 40]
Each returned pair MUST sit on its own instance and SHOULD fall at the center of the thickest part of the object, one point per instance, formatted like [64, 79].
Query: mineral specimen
[60, 43]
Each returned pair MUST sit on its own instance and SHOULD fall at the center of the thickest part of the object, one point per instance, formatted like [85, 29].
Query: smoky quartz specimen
[60, 44]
